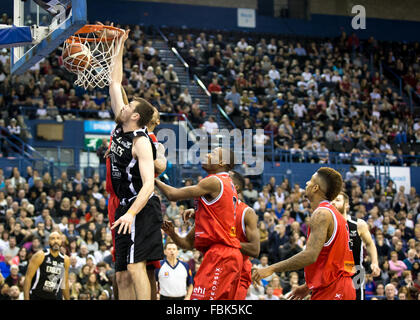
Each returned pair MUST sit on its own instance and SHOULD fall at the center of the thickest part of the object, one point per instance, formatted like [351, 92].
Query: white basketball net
[103, 46]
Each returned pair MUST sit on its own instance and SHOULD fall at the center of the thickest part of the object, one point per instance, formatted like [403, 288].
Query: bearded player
[359, 234]
[327, 258]
[114, 201]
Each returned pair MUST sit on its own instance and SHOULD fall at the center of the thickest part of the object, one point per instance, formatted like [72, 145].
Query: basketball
[76, 57]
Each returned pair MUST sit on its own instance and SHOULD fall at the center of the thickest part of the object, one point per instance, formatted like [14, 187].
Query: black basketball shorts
[145, 240]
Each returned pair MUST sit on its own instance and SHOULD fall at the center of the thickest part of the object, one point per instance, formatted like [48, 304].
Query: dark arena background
[315, 83]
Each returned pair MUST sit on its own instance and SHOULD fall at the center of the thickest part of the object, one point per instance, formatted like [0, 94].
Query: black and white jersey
[356, 245]
[48, 278]
[125, 173]
[355, 242]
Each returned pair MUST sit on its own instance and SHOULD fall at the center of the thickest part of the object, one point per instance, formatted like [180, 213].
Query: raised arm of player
[186, 242]
[209, 187]
[252, 247]
[319, 224]
[66, 289]
[362, 229]
[124, 95]
[142, 150]
[115, 92]
[33, 266]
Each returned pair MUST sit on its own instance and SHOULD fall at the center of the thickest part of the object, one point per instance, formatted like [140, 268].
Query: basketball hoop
[94, 61]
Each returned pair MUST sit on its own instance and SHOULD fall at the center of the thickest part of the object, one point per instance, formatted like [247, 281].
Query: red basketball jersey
[335, 260]
[215, 220]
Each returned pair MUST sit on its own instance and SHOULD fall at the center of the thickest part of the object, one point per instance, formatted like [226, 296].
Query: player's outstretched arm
[186, 243]
[319, 223]
[143, 151]
[252, 247]
[364, 233]
[124, 95]
[206, 187]
[33, 266]
[115, 92]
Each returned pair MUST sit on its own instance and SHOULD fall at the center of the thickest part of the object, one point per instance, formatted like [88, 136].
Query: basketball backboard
[51, 22]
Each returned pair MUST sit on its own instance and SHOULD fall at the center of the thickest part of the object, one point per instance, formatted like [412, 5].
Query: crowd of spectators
[47, 91]
[318, 101]
[404, 61]
[312, 97]
[32, 206]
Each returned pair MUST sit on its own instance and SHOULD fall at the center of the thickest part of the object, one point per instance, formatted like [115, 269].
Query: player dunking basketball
[114, 201]
[138, 216]
[215, 227]
[327, 258]
[246, 230]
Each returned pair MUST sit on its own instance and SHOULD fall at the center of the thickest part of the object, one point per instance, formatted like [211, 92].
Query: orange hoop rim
[89, 28]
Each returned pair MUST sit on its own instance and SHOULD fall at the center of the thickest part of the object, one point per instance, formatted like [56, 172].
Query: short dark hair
[238, 179]
[333, 182]
[145, 109]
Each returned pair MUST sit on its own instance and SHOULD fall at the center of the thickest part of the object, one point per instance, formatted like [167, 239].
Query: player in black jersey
[138, 217]
[48, 273]
[359, 235]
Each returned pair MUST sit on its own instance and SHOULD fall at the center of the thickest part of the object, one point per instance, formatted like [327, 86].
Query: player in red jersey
[248, 235]
[215, 227]
[246, 231]
[327, 258]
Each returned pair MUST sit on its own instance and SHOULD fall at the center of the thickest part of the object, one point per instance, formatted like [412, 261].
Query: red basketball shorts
[245, 280]
[219, 275]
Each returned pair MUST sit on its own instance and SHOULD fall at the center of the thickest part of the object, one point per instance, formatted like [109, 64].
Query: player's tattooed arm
[319, 223]
[208, 187]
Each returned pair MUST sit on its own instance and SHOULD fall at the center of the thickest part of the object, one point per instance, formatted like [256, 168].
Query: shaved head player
[48, 273]
[246, 231]
[215, 227]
